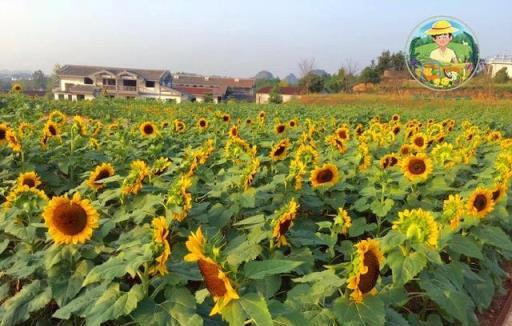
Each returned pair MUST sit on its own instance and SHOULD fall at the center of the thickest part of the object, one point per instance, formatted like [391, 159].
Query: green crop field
[145, 213]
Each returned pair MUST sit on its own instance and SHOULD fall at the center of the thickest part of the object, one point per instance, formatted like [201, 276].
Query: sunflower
[248, 121]
[51, 129]
[453, 210]
[279, 151]
[160, 235]
[388, 161]
[261, 115]
[24, 128]
[12, 141]
[494, 136]
[292, 123]
[3, 133]
[179, 126]
[70, 221]
[21, 191]
[365, 269]
[29, 179]
[395, 117]
[444, 155]
[480, 203]
[418, 226]
[148, 129]
[283, 222]
[226, 117]
[343, 133]
[417, 167]
[132, 184]
[337, 142]
[233, 132]
[419, 141]
[160, 166]
[343, 220]
[80, 124]
[17, 88]
[57, 117]
[325, 176]
[216, 281]
[359, 129]
[103, 171]
[179, 198]
[202, 123]
[279, 128]
[499, 191]
[396, 129]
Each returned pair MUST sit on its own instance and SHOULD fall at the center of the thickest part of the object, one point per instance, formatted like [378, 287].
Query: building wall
[70, 80]
[264, 98]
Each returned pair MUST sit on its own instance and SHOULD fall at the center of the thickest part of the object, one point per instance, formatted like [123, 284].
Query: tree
[390, 61]
[306, 66]
[275, 96]
[501, 76]
[53, 80]
[208, 98]
[313, 83]
[370, 74]
[39, 80]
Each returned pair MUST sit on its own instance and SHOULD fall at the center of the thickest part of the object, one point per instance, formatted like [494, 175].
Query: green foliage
[501, 76]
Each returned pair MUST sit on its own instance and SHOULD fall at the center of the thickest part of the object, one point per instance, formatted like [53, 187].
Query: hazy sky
[228, 37]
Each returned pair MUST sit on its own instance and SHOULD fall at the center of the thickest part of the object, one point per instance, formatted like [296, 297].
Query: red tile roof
[289, 90]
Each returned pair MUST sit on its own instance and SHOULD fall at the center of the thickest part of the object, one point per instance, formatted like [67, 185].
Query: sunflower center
[480, 202]
[405, 150]
[325, 176]
[396, 130]
[234, 132]
[52, 130]
[342, 134]
[279, 150]
[225, 118]
[419, 141]
[280, 129]
[148, 129]
[284, 226]
[70, 219]
[393, 161]
[417, 166]
[31, 183]
[102, 175]
[368, 281]
[2, 134]
[202, 123]
[496, 194]
[210, 272]
[292, 123]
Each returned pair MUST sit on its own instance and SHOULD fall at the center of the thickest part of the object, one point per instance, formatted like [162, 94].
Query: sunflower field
[144, 213]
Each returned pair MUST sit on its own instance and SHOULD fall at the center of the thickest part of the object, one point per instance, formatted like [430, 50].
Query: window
[61, 96]
[88, 81]
[129, 82]
[80, 97]
[150, 83]
[70, 97]
[109, 81]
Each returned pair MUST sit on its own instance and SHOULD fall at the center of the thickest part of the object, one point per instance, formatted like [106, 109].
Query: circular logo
[442, 53]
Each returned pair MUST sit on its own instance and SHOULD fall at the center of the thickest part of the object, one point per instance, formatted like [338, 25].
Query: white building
[86, 82]
[498, 62]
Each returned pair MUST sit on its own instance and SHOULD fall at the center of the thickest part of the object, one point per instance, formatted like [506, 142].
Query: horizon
[228, 39]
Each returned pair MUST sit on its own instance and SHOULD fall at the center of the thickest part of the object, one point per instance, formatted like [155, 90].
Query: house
[220, 88]
[287, 93]
[499, 62]
[87, 82]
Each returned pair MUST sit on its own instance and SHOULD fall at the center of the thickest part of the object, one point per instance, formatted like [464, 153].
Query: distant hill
[319, 72]
[264, 75]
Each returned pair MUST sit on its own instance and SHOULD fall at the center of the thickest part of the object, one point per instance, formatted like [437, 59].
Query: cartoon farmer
[441, 33]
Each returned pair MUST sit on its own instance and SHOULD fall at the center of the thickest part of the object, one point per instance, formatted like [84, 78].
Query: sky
[229, 37]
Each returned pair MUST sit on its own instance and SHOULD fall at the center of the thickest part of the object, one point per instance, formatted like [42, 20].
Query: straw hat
[441, 27]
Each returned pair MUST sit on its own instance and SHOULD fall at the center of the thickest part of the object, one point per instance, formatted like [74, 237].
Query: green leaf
[80, 303]
[493, 236]
[370, 312]
[66, 281]
[178, 310]
[3, 245]
[248, 198]
[251, 221]
[255, 306]
[234, 314]
[359, 226]
[405, 268]
[382, 209]
[257, 270]
[465, 246]
[17, 309]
